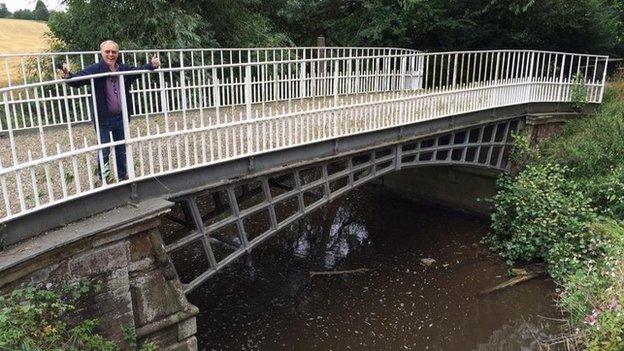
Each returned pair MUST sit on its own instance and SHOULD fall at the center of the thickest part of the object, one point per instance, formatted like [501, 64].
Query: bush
[33, 319]
[578, 92]
[36, 319]
[607, 193]
[541, 215]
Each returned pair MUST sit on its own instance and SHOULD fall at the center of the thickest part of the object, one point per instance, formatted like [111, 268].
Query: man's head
[110, 51]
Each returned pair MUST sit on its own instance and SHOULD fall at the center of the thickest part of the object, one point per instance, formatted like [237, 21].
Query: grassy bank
[19, 36]
[565, 206]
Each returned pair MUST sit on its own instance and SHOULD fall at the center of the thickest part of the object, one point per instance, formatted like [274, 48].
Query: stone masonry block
[153, 296]
[101, 260]
[187, 328]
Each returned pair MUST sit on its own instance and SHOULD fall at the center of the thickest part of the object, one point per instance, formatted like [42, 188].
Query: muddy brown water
[268, 301]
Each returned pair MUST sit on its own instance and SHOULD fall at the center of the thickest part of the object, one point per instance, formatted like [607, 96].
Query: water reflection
[271, 302]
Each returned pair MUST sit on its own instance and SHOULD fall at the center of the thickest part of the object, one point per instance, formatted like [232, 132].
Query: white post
[248, 91]
[216, 93]
[604, 78]
[126, 126]
[336, 63]
[454, 71]
[164, 102]
[302, 77]
[531, 67]
[403, 72]
[560, 91]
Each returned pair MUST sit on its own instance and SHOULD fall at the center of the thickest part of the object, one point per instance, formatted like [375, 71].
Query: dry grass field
[18, 36]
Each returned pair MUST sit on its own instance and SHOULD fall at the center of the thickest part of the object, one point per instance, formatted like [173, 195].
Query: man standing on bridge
[108, 99]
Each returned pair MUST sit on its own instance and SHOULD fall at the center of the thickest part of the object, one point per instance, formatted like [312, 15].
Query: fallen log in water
[359, 270]
[523, 276]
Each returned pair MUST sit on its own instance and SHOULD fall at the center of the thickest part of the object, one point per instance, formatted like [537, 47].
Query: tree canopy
[4, 11]
[570, 25]
[41, 12]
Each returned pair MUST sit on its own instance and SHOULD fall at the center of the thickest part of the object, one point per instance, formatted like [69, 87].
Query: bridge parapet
[220, 106]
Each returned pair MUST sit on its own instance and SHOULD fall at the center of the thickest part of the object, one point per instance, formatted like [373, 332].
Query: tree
[4, 12]
[23, 14]
[41, 12]
[567, 25]
[132, 24]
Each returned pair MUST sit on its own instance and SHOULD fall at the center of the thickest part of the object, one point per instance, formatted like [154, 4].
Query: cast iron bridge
[240, 137]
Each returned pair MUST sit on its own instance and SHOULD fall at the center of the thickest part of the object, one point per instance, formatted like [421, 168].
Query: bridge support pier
[122, 251]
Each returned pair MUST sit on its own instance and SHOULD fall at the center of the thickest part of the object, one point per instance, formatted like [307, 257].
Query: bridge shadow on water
[421, 269]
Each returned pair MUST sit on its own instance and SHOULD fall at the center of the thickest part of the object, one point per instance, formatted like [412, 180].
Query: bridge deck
[160, 144]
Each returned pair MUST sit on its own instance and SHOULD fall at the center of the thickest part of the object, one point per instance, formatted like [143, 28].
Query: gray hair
[108, 42]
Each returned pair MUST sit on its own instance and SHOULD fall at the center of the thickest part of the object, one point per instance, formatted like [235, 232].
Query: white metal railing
[209, 111]
[22, 69]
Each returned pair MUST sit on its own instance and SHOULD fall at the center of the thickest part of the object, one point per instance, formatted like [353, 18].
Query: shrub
[578, 92]
[539, 214]
[36, 319]
[607, 193]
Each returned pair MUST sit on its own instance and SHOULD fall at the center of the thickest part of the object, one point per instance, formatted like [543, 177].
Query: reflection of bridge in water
[247, 136]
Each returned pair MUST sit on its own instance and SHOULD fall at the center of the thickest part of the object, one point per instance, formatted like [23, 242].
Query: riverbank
[565, 206]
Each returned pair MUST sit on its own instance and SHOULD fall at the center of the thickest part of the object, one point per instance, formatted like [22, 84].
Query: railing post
[302, 77]
[248, 90]
[164, 102]
[531, 67]
[216, 93]
[604, 78]
[336, 65]
[18, 178]
[126, 127]
[403, 72]
[357, 76]
[454, 71]
[560, 91]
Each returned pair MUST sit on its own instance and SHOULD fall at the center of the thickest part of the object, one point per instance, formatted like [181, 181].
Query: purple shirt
[113, 97]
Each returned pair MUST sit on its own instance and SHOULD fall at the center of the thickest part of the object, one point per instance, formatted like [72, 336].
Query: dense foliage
[541, 215]
[570, 25]
[565, 206]
[36, 319]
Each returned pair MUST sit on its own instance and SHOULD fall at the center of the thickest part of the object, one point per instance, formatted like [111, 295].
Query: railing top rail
[131, 51]
[259, 63]
[126, 51]
[512, 50]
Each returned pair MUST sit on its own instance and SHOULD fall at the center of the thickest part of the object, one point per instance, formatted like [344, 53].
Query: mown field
[17, 36]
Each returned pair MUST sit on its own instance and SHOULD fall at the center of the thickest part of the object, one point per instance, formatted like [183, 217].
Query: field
[19, 36]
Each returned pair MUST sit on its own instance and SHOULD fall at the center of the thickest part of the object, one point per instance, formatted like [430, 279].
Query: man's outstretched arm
[65, 73]
[154, 64]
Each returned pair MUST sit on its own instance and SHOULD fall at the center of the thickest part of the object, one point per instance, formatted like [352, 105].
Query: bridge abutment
[122, 252]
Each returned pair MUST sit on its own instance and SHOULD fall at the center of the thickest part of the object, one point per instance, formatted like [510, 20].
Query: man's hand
[63, 70]
[155, 62]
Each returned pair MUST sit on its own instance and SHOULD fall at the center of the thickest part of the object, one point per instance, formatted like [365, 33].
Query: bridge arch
[212, 227]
